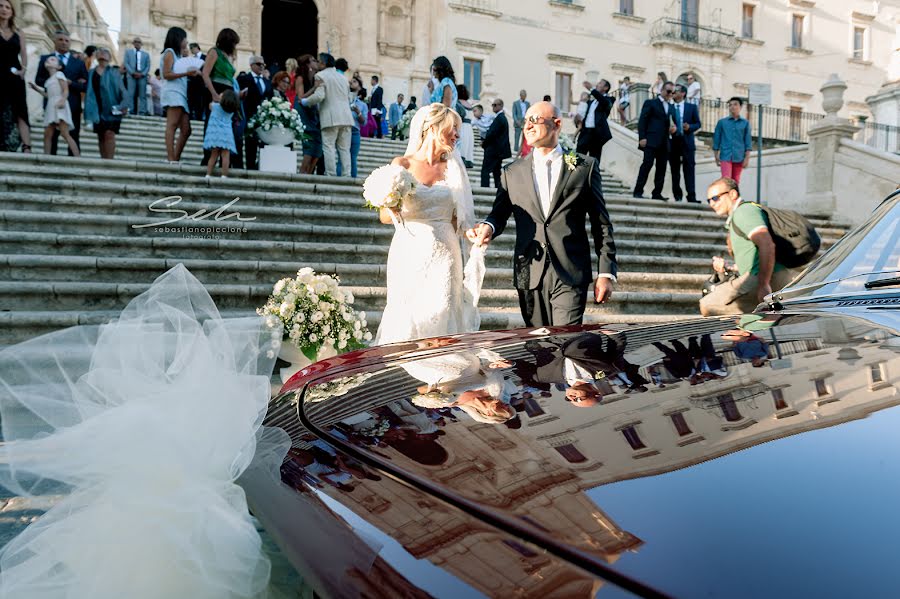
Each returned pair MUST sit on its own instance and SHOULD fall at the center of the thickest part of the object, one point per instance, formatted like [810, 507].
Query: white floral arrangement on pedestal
[388, 187]
[316, 315]
[275, 113]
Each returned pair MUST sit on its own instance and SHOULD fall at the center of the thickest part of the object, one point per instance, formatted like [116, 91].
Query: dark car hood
[778, 480]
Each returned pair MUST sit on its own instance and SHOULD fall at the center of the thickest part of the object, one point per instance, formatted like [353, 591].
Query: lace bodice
[432, 204]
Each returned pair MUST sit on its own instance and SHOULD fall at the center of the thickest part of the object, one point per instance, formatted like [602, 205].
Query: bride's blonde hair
[439, 119]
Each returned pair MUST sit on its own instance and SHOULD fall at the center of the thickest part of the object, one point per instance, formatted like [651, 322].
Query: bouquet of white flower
[566, 142]
[314, 312]
[276, 113]
[388, 187]
[405, 122]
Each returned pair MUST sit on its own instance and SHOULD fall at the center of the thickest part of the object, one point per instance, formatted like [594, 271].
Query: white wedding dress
[430, 291]
[140, 428]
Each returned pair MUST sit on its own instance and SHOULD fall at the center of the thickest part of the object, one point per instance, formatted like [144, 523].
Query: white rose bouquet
[276, 112]
[313, 311]
[388, 187]
[405, 122]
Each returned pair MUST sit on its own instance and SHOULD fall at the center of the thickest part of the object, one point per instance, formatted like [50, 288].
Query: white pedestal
[277, 159]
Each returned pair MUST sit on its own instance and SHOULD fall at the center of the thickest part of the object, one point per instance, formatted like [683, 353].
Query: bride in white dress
[429, 291]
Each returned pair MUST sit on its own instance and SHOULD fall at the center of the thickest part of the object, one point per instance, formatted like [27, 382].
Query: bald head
[543, 125]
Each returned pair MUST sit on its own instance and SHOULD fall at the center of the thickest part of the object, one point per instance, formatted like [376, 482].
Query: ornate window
[395, 28]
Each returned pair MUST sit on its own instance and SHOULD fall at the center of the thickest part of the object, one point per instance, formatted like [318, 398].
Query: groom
[552, 195]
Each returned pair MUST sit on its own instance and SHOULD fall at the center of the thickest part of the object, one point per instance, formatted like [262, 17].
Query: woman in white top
[661, 79]
[624, 99]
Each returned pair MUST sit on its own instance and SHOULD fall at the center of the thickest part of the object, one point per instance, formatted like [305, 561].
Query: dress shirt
[590, 120]
[63, 58]
[693, 93]
[546, 170]
[732, 138]
[576, 374]
[665, 104]
[259, 83]
[137, 61]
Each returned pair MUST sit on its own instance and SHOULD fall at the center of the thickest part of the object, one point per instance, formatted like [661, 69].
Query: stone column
[638, 93]
[824, 141]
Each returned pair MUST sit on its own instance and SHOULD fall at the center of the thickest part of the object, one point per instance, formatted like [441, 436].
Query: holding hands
[480, 234]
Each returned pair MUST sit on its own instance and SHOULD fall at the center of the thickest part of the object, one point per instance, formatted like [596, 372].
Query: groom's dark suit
[552, 259]
[601, 355]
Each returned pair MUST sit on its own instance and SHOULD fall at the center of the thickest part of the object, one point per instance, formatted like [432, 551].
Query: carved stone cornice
[479, 7]
[563, 60]
[478, 45]
[627, 69]
[164, 19]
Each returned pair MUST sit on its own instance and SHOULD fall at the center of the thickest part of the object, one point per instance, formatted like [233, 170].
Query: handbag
[716, 279]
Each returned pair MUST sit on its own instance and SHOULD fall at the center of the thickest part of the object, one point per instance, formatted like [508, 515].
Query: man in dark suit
[258, 88]
[683, 145]
[76, 74]
[654, 127]
[552, 196]
[376, 105]
[595, 128]
[578, 363]
[196, 88]
[496, 146]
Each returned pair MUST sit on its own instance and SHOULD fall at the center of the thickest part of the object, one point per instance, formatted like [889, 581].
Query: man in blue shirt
[395, 113]
[732, 142]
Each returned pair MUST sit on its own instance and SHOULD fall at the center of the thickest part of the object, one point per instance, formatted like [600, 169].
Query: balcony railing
[880, 137]
[780, 126]
[712, 38]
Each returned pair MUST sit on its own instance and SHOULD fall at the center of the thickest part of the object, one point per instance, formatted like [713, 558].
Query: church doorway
[290, 28]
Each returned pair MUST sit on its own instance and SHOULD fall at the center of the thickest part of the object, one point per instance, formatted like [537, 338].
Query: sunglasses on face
[716, 198]
[536, 120]
[668, 91]
[259, 64]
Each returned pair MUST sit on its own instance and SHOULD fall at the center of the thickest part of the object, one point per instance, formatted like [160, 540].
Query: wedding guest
[466, 133]
[693, 89]
[547, 98]
[307, 66]
[395, 113]
[333, 99]
[174, 98]
[290, 66]
[281, 83]
[445, 90]
[595, 129]
[624, 99]
[480, 120]
[137, 67]
[360, 116]
[654, 127]
[57, 114]
[255, 89]
[218, 138]
[581, 111]
[196, 90]
[104, 103]
[376, 105]
[218, 76]
[76, 76]
[14, 129]
[88, 56]
[496, 146]
[411, 107]
[520, 107]
[156, 84]
[732, 141]
[683, 145]
[661, 79]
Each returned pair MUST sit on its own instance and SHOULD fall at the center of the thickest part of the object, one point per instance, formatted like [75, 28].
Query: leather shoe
[638, 196]
[663, 198]
[694, 201]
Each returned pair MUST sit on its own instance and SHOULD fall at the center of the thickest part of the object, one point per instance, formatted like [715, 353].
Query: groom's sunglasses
[537, 120]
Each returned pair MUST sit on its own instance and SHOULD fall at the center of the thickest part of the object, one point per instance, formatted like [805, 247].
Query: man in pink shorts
[732, 142]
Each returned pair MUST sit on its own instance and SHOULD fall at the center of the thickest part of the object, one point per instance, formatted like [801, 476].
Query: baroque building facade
[550, 46]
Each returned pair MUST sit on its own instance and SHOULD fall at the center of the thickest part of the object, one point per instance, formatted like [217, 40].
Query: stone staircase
[70, 252]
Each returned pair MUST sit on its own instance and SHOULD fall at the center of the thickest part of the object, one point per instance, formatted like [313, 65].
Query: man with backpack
[766, 244]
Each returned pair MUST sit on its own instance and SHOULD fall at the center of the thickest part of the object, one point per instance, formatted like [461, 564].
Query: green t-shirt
[748, 217]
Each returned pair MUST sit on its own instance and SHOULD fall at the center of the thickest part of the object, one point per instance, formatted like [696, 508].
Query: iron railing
[673, 30]
[880, 137]
[780, 125]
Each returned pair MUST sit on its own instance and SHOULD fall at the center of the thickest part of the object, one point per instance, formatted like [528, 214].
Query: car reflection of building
[826, 374]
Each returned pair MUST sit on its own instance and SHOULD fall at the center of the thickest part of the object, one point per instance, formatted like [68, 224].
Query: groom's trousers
[553, 303]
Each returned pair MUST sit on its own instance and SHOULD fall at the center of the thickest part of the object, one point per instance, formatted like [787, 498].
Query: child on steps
[58, 114]
[219, 137]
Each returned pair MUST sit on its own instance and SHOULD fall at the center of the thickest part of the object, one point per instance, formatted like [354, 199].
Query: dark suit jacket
[376, 100]
[73, 71]
[601, 132]
[692, 118]
[253, 98]
[653, 124]
[496, 141]
[559, 239]
[601, 355]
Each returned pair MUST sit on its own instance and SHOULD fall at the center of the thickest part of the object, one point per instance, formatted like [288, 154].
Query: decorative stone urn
[277, 136]
[833, 95]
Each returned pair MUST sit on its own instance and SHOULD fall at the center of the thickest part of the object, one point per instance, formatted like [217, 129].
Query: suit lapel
[526, 174]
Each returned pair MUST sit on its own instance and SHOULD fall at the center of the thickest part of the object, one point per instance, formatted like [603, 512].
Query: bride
[429, 292]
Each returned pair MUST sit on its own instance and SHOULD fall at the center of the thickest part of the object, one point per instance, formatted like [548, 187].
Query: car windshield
[868, 253]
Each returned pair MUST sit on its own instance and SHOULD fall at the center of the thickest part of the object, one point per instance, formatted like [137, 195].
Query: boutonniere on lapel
[570, 157]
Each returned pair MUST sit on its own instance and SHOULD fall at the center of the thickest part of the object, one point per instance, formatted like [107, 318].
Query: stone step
[41, 171]
[77, 296]
[34, 268]
[19, 326]
[642, 240]
[346, 213]
[297, 253]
